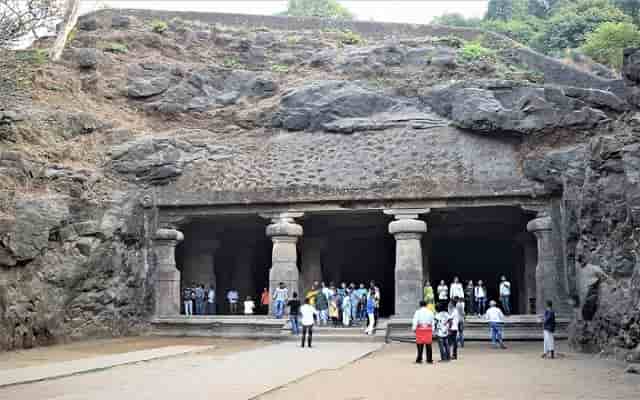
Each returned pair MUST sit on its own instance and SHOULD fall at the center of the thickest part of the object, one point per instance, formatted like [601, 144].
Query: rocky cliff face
[255, 114]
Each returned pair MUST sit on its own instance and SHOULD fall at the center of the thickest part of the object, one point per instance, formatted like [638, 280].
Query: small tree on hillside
[317, 8]
[606, 44]
[19, 18]
[500, 9]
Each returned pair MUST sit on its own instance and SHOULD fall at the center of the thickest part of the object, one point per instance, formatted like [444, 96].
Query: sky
[409, 11]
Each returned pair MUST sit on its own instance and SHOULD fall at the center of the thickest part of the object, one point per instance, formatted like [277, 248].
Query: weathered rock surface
[178, 90]
[493, 107]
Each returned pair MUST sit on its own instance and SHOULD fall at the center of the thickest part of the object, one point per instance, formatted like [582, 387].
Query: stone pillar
[167, 295]
[199, 261]
[408, 231]
[284, 234]
[311, 267]
[546, 268]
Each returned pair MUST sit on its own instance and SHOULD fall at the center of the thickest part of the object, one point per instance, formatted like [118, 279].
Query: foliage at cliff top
[555, 26]
[317, 8]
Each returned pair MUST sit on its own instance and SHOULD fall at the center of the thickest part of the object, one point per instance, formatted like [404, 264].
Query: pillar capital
[540, 224]
[169, 235]
[406, 213]
[285, 216]
[404, 227]
[283, 224]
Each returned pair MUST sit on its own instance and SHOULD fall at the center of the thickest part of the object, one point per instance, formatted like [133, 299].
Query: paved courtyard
[236, 369]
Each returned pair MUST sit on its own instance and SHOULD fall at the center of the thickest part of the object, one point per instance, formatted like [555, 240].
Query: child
[443, 321]
[333, 310]
[346, 310]
[549, 327]
[249, 305]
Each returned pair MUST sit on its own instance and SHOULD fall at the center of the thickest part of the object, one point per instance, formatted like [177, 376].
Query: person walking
[280, 298]
[308, 313]
[496, 322]
[443, 294]
[481, 298]
[443, 321]
[294, 311]
[453, 329]
[422, 325]
[549, 327]
[264, 301]
[505, 294]
[460, 308]
[322, 305]
[456, 289]
[371, 307]
[211, 301]
[469, 298]
[187, 298]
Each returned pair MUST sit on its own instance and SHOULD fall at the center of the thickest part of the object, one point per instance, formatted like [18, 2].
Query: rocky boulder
[169, 88]
[493, 106]
[631, 65]
[87, 58]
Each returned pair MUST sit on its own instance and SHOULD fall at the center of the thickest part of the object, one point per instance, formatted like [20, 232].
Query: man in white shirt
[456, 289]
[443, 293]
[308, 313]
[496, 321]
[211, 301]
[249, 305]
[481, 298]
[505, 294]
[422, 325]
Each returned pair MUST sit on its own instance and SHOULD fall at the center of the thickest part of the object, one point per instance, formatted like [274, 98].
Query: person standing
[460, 308]
[469, 298]
[308, 313]
[294, 311]
[312, 294]
[496, 322]
[422, 325]
[427, 293]
[264, 301]
[505, 294]
[549, 327]
[187, 298]
[322, 305]
[346, 310]
[371, 307]
[325, 291]
[443, 321]
[211, 301]
[249, 306]
[334, 314]
[200, 300]
[481, 298]
[377, 296]
[443, 294]
[232, 298]
[280, 298]
[456, 289]
[355, 302]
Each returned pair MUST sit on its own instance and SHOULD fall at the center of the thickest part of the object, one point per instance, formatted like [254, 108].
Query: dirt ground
[94, 348]
[517, 373]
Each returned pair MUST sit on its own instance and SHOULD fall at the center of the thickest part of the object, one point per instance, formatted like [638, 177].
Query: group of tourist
[473, 295]
[197, 300]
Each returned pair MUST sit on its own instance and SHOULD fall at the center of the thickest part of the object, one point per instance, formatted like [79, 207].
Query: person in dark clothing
[549, 327]
[294, 311]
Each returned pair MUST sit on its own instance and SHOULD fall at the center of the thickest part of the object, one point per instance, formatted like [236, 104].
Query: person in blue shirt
[549, 327]
[371, 309]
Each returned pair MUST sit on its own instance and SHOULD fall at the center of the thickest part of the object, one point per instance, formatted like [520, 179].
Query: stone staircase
[518, 327]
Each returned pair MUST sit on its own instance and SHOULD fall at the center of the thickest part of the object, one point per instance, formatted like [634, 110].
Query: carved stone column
[167, 294]
[199, 261]
[408, 231]
[546, 269]
[284, 234]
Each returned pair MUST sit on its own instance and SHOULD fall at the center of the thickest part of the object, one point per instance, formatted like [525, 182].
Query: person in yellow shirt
[312, 294]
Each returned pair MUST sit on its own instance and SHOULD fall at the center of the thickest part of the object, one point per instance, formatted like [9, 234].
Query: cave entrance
[352, 247]
[229, 251]
[484, 243]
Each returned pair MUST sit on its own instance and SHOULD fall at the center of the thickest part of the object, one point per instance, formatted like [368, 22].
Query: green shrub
[115, 47]
[230, 62]
[606, 44]
[34, 56]
[474, 51]
[279, 68]
[350, 38]
[159, 26]
[449, 41]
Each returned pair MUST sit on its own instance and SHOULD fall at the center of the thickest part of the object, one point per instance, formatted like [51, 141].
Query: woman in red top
[264, 301]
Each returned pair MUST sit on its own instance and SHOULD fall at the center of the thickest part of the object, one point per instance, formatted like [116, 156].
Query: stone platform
[517, 327]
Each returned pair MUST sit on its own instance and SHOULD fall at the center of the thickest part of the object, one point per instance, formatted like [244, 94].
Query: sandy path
[481, 373]
[92, 348]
